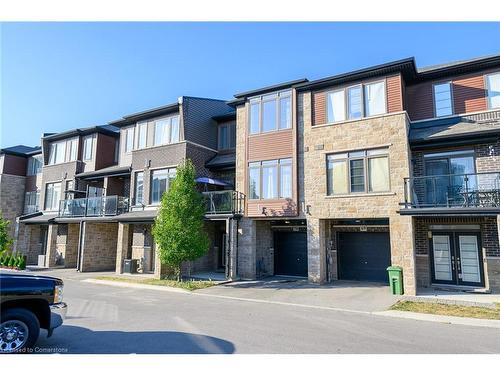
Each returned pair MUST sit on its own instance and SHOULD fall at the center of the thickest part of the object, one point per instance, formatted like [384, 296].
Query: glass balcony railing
[224, 202]
[454, 190]
[96, 206]
[30, 209]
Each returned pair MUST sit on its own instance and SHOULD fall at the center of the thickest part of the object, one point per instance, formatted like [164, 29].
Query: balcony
[93, 207]
[224, 202]
[30, 209]
[455, 192]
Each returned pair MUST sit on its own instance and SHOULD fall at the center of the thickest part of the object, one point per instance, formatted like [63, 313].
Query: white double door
[456, 259]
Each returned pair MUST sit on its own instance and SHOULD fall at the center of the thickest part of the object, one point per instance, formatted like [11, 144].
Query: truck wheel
[19, 330]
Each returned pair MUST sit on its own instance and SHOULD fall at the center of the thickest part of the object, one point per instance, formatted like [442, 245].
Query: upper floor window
[166, 131]
[88, 144]
[443, 104]
[358, 172]
[139, 188]
[271, 112]
[493, 86]
[227, 136]
[356, 102]
[57, 152]
[129, 139]
[31, 201]
[52, 196]
[73, 149]
[270, 179]
[142, 133]
[34, 165]
[160, 182]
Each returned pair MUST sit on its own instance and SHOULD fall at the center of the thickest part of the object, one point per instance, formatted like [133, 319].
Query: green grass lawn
[185, 284]
[451, 310]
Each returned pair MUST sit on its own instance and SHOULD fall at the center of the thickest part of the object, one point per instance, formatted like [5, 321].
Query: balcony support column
[50, 255]
[122, 245]
[232, 248]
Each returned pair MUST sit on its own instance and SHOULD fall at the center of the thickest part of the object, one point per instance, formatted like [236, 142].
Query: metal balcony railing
[96, 206]
[224, 202]
[454, 190]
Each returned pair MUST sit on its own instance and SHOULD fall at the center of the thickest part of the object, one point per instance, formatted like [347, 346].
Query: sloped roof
[21, 150]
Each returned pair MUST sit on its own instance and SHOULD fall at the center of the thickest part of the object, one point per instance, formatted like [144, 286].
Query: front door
[456, 258]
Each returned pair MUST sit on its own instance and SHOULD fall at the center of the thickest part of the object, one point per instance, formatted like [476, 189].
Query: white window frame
[87, 149]
[488, 97]
[58, 147]
[452, 105]
[170, 172]
[140, 126]
[52, 207]
[34, 165]
[136, 186]
[265, 98]
[259, 165]
[345, 90]
[129, 140]
[168, 123]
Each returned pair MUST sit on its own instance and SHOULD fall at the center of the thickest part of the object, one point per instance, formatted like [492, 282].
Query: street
[110, 319]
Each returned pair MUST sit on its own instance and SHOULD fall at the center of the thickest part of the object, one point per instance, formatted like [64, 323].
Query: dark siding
[15, 165]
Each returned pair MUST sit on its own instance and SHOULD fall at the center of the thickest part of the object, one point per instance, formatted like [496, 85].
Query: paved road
[110, 319]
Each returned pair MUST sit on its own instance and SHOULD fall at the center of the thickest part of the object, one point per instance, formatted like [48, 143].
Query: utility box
[396, 279]
[130, 266]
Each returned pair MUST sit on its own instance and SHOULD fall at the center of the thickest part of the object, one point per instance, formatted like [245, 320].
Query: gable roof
[103, 129]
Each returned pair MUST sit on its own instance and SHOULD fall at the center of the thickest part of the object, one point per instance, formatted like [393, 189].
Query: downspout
[81, 236]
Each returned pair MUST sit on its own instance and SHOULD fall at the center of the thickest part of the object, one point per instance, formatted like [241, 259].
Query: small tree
[178, 228]
[5, 240]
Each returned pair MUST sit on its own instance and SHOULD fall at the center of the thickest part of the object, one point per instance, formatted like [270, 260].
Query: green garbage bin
[396, 279]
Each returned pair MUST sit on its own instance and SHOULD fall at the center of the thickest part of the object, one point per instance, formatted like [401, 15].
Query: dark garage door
[364, 256]
[290, 253]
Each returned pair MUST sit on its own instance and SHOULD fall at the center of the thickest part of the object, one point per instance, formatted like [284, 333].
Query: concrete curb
[125, 284]
[440, 318]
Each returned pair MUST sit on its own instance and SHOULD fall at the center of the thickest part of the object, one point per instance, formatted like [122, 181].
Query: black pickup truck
[28, 303]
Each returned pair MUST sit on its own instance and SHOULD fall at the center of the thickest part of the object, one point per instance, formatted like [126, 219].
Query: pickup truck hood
[19, 276]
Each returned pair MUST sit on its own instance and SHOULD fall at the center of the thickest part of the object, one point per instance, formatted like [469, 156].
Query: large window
[271, 112]
[270, 179]
[34, 165]
[227, 136]
[493, 85]
[166, 130]
[142, 133]
[57, 153]
[358, 172]
[52, 196]
[139, 188]
[356, 102]
[31, 201]
[129, 139]
[443, 104]
[160, 182]
[73, 149]
[88, 143]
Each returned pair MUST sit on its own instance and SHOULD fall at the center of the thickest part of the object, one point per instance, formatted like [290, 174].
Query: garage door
[364, 256]
[290, 253]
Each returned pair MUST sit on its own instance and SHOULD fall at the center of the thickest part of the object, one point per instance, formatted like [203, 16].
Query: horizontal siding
[270, 146]
[469, 94]
[394, 94]
[319, 108]
[419, 101]
[278, 207]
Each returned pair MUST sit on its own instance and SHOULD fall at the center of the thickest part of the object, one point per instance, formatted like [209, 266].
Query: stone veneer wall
[264, 246]
[99, 247]
[11, 199]
[314, 143]
[30, 242]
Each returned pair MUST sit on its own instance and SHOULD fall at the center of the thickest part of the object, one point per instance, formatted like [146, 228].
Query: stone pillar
[72, 240]
[122, 245]
[316, 250]
[232, 248]
[50, 255]
[247, 252]
[402, 250]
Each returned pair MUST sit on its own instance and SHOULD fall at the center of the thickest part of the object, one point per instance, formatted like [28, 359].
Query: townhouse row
[332, 179]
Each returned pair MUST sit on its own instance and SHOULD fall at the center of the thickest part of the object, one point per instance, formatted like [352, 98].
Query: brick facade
[11, 199]
[99, 247]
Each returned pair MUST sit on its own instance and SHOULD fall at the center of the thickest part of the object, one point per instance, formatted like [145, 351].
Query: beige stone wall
[11, 199]
[264, 248]
[99, 247]
[30, 242]
[492, 270]
[247, 249]
[314, 143]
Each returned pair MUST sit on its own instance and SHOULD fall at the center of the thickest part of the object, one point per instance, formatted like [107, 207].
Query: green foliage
[12, 260]
[5, 240]
[178, 229]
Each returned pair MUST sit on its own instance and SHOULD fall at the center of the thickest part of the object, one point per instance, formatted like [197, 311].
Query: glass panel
[437, 187]
[442, 257]
[174, 132]
[442, 99]
[52, 154]
[232, 136]
[223, 130]
[357, 176]
[73, 147]
[337, 177]
[375, 98]
[254, 183]
[254, 118]
[285, 112]
[269, 116]
[159, 185]
[142, 135]
[57, 153]
[355, 154]
[378, 151]
[269, 180]
[285, 179]
[378, 178]
[87, 148]
[354, 102]
[129, 141]
[493, 84]
[335, 106]
[161, 132]
[139, 188]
